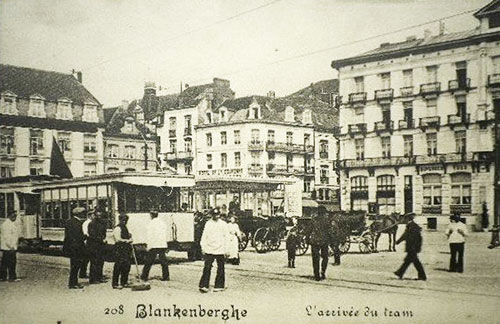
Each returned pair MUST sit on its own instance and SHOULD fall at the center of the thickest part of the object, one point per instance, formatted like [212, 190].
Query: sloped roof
[108, 114]
[25, 82]
[243, 102]
[117, 121]
[492, 7]
[318, 88]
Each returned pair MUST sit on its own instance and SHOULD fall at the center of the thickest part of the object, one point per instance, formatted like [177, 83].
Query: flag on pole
[58, 165]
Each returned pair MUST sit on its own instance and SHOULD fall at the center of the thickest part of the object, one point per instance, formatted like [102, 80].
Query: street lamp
[495, 241]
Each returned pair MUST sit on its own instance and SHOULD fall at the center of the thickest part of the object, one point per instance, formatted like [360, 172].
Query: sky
[259, 45]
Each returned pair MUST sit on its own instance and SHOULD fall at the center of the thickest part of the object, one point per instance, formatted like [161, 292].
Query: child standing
[291, 244]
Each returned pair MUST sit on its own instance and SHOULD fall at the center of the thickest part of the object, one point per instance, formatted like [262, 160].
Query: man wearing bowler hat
[74, 246]
[413, 239]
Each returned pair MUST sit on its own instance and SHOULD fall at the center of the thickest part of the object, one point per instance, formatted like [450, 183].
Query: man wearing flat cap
[413, 238]
[456, 233]
[74, 246]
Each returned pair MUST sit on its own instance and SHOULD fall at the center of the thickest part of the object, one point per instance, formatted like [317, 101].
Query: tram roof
[132, 178]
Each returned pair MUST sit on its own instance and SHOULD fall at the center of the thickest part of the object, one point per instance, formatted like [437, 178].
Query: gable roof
[492, 7]
[317, 89]
[25, 82]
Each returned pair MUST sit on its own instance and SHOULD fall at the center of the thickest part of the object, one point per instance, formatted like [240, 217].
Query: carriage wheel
[274, 244]
[302, 246]
[260, 240]
[366, 243]
[344, 246]
[243, 241]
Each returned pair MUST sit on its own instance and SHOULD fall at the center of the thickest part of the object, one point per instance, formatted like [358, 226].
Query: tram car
[44, 204]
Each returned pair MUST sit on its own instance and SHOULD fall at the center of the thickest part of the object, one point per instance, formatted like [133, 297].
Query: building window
[64, 109]
[188, 145]
[408, 113]
[6, 171]
[36, 107]
[113, 150]
[385, 80]
[323, 174]
[36, 142]
[461, 107]
[130, 152]
[209, 161]
[461, 70]
[432, 189]
[187, 124]
[255, 156]
[8, 104]
[307, 185]
[188, 168]
[172, 123]
[495, 64]
[254, 113]
[461, 189]
[407, 78]
[209, 139]
[237, 159]
[90, 169]
[64, 141]
[270, 136]
[89, 144]
[359, 84]
[255, 138]
[289, 138]
[7, 140]
[432, 73]
[431, 143]
[431, 107]
[112, 170]
[494, 20]
[408, 145]
[386, 146]
[323, 149]
[222, 115]
[289, 114]
[90, 113]
[359, 145]
[36, 171]
[386, 114]
[289, 161]
[173, 146]
[359, 193]
[223, 160]
[386, 197]
[307, 117]
[237, 138]
[223, 138]
[461, 142]
[129, 126]
[209, 117]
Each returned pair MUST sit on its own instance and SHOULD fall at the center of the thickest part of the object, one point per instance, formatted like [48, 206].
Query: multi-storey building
[38, 106]
[128, 144]
[417, 120]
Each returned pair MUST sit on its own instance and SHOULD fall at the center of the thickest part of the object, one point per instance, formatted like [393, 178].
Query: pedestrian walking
[85, 262]
[9, 239]
[213, 246]
[157, 237]
[123, 249]
[292, 240]
[74, 246]
[413, 238]
[320, 238]
[456, 233]
[233, 252]
[338, 233]
[96, 245]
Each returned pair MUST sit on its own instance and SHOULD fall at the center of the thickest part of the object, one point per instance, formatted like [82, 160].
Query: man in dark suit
[413, 239]
[96, 245]
[320, 238]
[74, 246]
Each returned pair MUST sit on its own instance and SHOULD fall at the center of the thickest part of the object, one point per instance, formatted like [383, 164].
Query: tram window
[8, 203]
[31, 204]
[2, 205]
[64, 210]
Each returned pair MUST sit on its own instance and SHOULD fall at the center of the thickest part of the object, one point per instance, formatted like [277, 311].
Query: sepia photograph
[263, 161]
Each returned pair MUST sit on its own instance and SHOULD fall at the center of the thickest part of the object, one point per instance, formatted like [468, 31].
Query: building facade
[38, 107]
[417, 124]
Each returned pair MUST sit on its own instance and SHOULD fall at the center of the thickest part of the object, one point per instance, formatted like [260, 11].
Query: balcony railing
[406, 91]
[285, 147]
[430, 88]
[379, 161]
[456, 85]
[188, 131]
[323, 155]
[445, 158]
[458, 120]
[460, 209]
[279, 169]
[255, 168]
[406, 124]
[483, 156]
[171, 133]
[357, 98]
[182, 155]
[357, 129]
[427, 122]
[382, 126]
[494, 80]
[255, 145]
[384, 94]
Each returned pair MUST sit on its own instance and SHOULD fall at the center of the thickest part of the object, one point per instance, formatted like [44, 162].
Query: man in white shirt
[456, 233]
[85, 229]
[157, 238]
[9, 238]
[214, 246]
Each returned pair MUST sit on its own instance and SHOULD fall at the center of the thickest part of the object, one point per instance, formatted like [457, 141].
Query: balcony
[460, 209]
[8, 151]
[430, 122]
[358, 98]
[384, 94]
[483, 156]
[429, 159]
[357, 129]
[406, 91]
[184, 155]
[171, 133]
[286, 147]
[430, 89]
[406, 124]
[494, 81]
[323, 155]
[445, 158]
[378, 161]
[277, 169]
[459, 85]
[255, 145]
[255, 168]
[188, 131]
[309, 148]
[454, 120]
[384, 126]
[309, 171]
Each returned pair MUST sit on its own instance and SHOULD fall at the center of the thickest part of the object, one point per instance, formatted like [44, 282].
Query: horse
[387, 224]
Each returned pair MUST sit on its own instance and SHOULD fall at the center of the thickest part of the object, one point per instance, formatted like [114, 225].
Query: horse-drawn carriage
[264, 233]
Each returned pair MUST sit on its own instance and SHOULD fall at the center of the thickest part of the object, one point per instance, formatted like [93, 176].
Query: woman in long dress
[233, 241]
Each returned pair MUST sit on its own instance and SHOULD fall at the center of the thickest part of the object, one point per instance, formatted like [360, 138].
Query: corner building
[417, 124]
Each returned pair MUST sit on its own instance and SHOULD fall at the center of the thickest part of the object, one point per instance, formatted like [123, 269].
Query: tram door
[408, 194]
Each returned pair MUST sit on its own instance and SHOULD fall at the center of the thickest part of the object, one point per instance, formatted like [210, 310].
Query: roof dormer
[64, 110]
[8, 103]
[90, 112]
[254, 111]
[307, 117]
[489, 17]
[223, 116]
[289, 114]
[37, 106]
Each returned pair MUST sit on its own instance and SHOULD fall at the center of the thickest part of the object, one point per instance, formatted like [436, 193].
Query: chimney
[271, 94]
[124, 104]
[149, 89]
[79, 76]
[385, 44]
[427, 34]
[221, 83]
